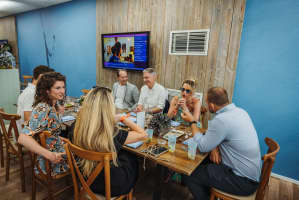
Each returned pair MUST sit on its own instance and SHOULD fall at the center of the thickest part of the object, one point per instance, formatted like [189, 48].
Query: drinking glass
[171, 142]
[149, 134]
[192, 149]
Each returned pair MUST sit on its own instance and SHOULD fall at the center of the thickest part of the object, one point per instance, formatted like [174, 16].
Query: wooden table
[177, 161]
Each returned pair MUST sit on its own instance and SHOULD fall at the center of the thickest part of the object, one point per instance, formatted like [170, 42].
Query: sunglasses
[187, 90]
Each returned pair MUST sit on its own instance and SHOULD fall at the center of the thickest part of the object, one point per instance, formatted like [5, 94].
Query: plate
[177, 133]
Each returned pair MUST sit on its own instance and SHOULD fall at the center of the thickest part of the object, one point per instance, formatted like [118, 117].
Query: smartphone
[155, 150]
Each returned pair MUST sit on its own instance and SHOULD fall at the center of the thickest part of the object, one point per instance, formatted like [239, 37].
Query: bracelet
[122, 118]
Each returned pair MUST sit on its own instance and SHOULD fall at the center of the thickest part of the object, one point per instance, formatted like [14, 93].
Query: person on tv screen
[117, 47]
[114, 57]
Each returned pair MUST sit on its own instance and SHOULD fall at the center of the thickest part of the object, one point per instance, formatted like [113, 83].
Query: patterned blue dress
[45, 117]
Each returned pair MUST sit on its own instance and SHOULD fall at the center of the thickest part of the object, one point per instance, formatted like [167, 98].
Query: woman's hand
[117, 118]
[187, 116]
[182, 104]
[56, 157]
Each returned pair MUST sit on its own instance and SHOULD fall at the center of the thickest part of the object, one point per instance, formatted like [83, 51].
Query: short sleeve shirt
[25, 102]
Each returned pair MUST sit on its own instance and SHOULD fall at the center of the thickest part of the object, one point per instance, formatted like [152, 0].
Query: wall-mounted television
[126, 50]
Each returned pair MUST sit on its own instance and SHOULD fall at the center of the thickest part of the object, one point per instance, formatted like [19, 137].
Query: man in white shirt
[153, 95]
[125, 94]
[26, 98]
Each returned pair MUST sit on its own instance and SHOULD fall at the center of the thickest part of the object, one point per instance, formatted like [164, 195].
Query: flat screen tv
[126, 50]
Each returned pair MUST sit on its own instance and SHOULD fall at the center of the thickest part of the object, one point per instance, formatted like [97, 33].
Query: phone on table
[155, 150]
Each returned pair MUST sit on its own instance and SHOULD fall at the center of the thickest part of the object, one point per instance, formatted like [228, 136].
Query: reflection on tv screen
[126, 50]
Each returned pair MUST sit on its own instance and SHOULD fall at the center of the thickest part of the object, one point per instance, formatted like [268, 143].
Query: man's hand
[215, 156]
[187, 116]
[139, 108]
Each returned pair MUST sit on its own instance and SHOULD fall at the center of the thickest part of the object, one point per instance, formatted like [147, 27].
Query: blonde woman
[96, 130]
[185, 102]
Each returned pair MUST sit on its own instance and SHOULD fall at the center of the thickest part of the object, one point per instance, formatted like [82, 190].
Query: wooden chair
[104, 162]
[45, 179]
[85, 91]
[269, 160]
[26, 79]
[12, 147]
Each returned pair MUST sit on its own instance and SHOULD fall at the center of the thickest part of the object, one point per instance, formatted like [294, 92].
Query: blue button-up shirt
[232, 130]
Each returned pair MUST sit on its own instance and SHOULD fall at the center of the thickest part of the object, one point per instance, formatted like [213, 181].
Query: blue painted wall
[62, 37]
[267, 80]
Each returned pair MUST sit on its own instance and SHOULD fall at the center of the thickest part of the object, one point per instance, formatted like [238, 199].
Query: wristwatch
[193, 122]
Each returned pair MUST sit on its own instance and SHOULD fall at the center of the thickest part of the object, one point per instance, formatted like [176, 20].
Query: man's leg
[220, 177]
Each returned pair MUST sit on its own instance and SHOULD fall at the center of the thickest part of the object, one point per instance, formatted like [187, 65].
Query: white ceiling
[12, 7]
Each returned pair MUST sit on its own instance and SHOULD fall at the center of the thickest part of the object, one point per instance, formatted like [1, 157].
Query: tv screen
[126, 50]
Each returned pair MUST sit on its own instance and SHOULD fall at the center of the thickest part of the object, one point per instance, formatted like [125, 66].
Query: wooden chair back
[45, 178]
[85, 91]
[12, 131]
[268, 163]
[74, 152]
[26, 79]
[11, 136]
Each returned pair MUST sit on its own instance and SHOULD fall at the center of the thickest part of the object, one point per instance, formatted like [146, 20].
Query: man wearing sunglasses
[153, 95]
[235, 158]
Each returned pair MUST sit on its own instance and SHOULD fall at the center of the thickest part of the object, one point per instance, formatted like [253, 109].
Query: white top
[119, 97]
[25, 102]
[153, 98]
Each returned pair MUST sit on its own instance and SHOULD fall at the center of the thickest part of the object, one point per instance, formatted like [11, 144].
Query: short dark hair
[120, 70]
[44, 84]
[41, 69]
[218, 96]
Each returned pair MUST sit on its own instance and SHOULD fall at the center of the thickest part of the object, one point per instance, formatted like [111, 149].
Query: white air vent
[189, 42]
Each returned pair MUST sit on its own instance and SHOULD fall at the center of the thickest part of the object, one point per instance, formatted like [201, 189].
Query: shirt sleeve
[162, 97]
[28, 102]
[38, 120]
[120, 139]
[135, 97]
[215, 134]
[142, 96]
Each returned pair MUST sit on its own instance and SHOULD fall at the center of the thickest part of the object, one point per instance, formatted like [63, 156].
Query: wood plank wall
[8, 31]
[224, 18]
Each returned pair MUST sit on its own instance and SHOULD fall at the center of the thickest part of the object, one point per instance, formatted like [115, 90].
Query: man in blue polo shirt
[235, 158]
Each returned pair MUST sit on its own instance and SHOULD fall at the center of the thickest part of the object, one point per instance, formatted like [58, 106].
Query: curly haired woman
[45, 117]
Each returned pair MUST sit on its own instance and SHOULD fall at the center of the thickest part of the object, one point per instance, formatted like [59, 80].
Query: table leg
[159, 182]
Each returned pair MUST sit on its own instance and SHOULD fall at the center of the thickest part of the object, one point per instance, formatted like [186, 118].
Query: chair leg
[130, 195]
[22, 172]
[7, 166]
[212, 196]
[33, 186]
[50, 190]
[1, 150]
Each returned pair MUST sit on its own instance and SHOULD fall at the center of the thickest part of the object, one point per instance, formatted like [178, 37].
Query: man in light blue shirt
[235, 159]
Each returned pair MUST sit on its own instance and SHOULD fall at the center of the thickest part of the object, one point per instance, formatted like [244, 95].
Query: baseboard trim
[285, 178]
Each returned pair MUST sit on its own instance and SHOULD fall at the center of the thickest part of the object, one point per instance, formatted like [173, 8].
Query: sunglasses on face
[187, 90]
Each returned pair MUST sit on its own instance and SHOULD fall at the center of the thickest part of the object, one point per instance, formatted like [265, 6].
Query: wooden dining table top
[177, 161]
